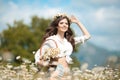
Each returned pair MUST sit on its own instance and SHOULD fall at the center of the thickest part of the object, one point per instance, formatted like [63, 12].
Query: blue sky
[101, 17]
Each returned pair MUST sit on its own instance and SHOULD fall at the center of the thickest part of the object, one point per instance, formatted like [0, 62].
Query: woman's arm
[81, 26]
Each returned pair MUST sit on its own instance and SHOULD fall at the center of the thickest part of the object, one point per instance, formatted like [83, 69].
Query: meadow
[29, 71]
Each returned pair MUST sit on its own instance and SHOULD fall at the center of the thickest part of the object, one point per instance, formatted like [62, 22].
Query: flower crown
[60, 15]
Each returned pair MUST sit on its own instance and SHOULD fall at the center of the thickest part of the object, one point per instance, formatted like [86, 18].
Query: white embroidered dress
[64, 46]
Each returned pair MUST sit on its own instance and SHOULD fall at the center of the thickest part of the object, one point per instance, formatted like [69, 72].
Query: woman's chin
[63, 30]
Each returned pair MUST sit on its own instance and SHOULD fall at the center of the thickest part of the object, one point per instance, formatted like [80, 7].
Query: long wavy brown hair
[52, 30]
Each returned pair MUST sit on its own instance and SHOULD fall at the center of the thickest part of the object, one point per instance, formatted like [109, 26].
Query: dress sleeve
[40, 52]
[80, 39]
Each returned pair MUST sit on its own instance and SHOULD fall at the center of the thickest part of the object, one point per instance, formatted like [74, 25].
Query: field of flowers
[30, 72]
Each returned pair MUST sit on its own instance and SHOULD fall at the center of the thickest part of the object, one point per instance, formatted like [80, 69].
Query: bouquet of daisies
[50, 53]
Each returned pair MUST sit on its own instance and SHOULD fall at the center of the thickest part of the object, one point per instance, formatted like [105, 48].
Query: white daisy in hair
[60, 15]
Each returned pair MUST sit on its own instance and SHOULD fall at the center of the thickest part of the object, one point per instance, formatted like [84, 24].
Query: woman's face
[63, 25]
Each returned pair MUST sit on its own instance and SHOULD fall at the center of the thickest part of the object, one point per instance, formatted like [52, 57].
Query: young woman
[59, 35]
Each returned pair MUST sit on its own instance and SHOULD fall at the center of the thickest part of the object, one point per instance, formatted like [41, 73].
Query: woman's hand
[82, 27]
[74, 19]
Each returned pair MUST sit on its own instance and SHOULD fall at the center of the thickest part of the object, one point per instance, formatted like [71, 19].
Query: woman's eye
[61, 22]
[66, 23]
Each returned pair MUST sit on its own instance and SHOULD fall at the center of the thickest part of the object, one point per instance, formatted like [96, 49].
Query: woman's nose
[64, 25]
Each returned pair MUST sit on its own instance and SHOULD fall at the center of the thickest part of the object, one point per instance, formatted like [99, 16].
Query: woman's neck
[61, 35]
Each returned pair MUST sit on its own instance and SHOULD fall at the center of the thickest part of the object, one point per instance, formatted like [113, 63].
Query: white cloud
[25, 12]
[10, 11]
[13, 5]
[110, 13]
[108, 19]
[100, 14]
[108, 42]
[103, 20]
